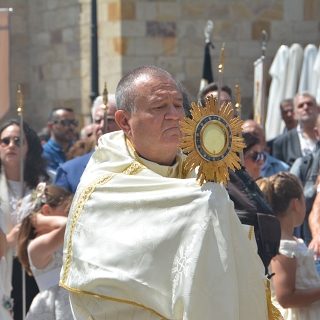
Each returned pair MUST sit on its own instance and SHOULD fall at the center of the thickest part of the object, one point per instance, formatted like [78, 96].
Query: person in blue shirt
[62, 125]
[271, 165]
[68, 175]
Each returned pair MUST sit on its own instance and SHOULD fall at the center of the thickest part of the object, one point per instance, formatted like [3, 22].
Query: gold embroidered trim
[133, 169]
[182, 173]
[251, 232]
[273, 312]
[111, 299]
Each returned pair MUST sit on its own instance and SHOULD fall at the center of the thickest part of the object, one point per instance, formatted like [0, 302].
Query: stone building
[50, 44]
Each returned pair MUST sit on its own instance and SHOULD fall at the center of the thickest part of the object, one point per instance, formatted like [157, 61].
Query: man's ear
[50, 125]
[122, 119]
[316, 133]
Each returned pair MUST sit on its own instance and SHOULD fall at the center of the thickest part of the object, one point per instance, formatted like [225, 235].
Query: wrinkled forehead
[304, 98]
[64, 114]
[152, 82]
[111, 110]
[287, 106]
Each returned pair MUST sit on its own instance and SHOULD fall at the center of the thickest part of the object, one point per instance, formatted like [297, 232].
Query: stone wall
[46, 51]
[50, 44]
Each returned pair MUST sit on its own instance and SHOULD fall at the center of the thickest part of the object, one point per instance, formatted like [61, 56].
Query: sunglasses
[256, 156]
[66, 122]
[6, 141]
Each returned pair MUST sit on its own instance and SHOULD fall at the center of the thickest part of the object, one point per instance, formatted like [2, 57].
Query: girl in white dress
[295, 284]
[40, 243]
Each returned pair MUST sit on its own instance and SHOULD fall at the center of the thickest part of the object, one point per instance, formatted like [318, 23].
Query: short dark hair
[185, 99]
[52, 115]
[286, 101]
[250, 140]
[213, 86]
[126, 94]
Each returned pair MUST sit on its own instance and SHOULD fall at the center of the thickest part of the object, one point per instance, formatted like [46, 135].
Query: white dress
[306, 278]
[52, 302]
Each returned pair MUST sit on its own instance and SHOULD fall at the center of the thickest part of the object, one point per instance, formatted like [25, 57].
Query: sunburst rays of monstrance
[211, 142]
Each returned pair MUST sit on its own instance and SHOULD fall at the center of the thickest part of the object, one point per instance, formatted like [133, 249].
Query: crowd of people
[115, 224]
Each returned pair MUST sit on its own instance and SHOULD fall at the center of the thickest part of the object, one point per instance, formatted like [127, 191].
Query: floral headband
[32, 201]
[38, 195]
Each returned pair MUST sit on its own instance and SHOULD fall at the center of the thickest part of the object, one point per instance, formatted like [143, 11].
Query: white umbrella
[309, 57]
[278, 72]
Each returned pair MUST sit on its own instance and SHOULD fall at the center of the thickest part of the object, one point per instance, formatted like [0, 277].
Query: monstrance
[211, 142]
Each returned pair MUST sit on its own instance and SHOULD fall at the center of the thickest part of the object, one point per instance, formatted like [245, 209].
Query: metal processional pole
[221, 67]
[94, 53]
[105, 108]
[238, 107]
[20, 113]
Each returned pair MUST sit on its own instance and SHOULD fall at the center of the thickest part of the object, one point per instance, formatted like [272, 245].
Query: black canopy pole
[94, 52]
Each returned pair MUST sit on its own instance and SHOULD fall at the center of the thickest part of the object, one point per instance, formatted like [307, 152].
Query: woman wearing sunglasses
[253, 155]
[34, 172]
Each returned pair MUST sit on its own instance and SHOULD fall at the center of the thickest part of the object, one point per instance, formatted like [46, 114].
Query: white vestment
[8, 224]
[315, 86]
[278, 72]
[295, 60]
[309, 56]
[141, 245]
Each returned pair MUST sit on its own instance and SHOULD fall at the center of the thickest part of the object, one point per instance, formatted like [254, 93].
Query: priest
[144, 240]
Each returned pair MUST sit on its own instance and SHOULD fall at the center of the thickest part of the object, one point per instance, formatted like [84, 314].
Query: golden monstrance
[211, 141]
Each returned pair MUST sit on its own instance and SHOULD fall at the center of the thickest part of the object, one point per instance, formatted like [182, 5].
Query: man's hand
[315, 245]
[314, 225]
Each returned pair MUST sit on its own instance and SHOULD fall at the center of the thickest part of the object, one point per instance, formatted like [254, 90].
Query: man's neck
[308, 131]
[63, 144]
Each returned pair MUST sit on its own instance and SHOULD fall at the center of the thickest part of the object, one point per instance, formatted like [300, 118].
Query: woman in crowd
[295, 281]
[34, 172]
[40, 251]
[253, 155]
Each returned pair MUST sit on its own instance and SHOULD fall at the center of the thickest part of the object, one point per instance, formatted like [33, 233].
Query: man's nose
[173, 113]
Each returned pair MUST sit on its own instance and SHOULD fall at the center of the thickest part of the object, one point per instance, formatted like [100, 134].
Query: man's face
[153, 127]
[224, 96]
[250, 126]
[63, 127]
[306, 110]
[287, 114]
[98, 120]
